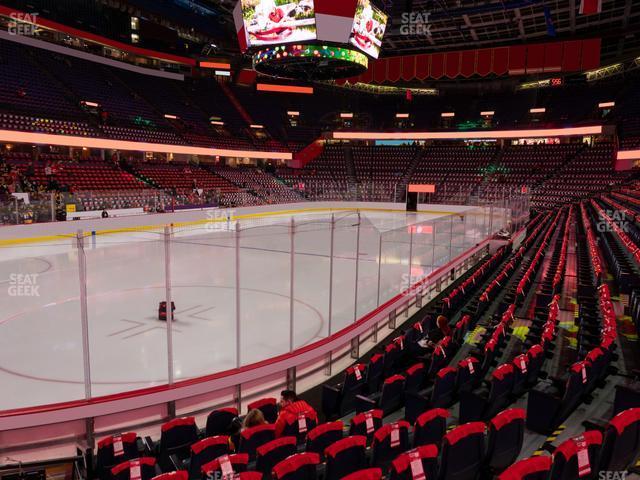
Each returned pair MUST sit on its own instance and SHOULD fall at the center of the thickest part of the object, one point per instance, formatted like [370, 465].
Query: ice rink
[374, 252]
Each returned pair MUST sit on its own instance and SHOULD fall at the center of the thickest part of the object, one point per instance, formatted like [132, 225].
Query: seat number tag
[226, 467]
[134, 470]
[584, 467]
[395, 436]
[523, 365]
[369, 422]
[118, 447]
[417, 471]
[302, 423]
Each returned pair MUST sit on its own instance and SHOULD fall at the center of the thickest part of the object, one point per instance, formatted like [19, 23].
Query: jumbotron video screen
[270, 22]
[368, 29]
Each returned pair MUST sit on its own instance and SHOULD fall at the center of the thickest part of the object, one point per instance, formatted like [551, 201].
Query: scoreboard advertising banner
[270, 22]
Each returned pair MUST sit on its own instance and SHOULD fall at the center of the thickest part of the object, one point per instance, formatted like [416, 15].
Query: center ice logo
[24, 285]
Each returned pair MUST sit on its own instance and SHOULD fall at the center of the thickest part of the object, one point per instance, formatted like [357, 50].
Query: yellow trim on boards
[49, 238]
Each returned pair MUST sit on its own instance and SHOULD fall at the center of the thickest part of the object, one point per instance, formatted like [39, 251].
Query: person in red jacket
[290, 409]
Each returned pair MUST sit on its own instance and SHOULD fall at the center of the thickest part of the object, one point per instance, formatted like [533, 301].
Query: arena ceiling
[463, 24]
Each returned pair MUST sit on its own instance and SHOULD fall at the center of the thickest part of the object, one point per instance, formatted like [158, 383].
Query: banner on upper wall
[552, 57]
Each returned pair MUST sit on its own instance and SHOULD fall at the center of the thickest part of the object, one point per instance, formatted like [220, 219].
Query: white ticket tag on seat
[302, 423]
[395, 436]
[417, 470]
[369, 422]
[134, 470]
[118, 447]
[226, 467]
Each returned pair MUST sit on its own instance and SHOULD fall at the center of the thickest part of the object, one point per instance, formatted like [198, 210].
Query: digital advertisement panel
[278, 21]
[368, 29]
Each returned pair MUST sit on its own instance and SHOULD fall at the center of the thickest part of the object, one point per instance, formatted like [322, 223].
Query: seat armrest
[150, 445]
[176, 463]
[141, 446]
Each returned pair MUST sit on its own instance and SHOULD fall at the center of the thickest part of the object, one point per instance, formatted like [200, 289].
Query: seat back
[273, 452]
[488, 357]
[420, 464]
[114, 450]
[248, 476]
[461, 328]
[598, 362]
[366, 474]
[502, 379]
[389, 441]
[268, 407]
[206, 450]
[392, 390]
[413, 335]
[366, 423]
[300, 426]
[463, 452]
[176, 438]
[354, 378]
[621, 441]
[228, 465]
[177, 475]
[576, 383]
[536, 361]
[137, 469]
[443, 387]
[324, 435]
[468, 374]
[345, 456]
[430, 427]
[505, 437]
[391, 355]
[220, 422]
[301, 466]
[415, 376]
[375, 371]
[254, 437]
[534, 468]
[568, 461]
[439, 357]
[520, 373]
